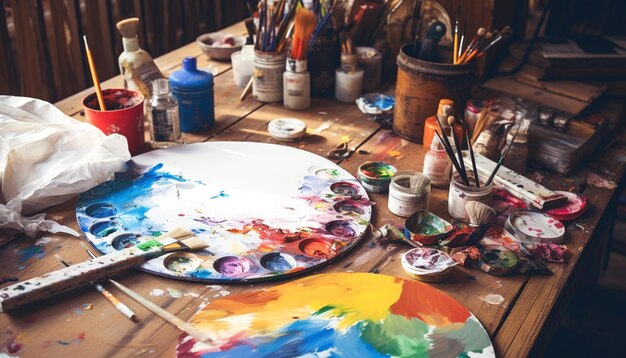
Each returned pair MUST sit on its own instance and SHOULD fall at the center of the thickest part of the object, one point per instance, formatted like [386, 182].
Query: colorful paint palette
[575, 206]
[532, 227]
[266, 211]
[497, 260]
[338, 315]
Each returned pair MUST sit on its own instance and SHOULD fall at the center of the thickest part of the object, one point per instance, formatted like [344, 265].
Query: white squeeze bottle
[437, 164]
[136, 65]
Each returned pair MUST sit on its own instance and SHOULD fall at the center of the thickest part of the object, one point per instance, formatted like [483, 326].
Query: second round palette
[266, 211]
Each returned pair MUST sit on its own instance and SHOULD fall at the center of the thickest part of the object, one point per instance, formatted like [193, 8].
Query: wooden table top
[83, 323]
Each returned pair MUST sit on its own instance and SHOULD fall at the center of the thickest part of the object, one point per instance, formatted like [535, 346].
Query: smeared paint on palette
[266, 211]
[365, 315]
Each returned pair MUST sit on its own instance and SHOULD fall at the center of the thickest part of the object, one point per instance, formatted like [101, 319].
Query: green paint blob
[145, 246]
[397, 336]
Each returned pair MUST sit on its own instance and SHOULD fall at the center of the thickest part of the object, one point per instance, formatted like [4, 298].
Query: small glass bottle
[296, 85]
[437, 164]
[517, 157]
[348, 79]
[163, 115]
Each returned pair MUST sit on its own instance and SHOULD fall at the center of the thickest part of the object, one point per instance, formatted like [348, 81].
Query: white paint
[174, 293]
[45, 240]
[492, 299]
[156, 292]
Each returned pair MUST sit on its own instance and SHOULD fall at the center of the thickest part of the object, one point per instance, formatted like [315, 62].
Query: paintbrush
[482, 43]
[467, 139]
[197, 334]
[450, 153]
[479, 34]
[63, 280]
[94, 76]
[459, 150]
[108, 295]
[455, 49]
[460, 50]
[304, 25]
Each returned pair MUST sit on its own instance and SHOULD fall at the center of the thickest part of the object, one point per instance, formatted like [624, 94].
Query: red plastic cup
[124, 115]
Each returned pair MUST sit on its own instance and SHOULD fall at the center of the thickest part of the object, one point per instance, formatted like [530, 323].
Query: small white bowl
[209, 45]
[287, 129]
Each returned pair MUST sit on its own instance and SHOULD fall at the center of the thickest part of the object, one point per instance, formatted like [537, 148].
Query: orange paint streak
[442, 309]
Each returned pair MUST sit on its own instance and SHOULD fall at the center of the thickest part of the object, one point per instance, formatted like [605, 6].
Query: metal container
[268, 68]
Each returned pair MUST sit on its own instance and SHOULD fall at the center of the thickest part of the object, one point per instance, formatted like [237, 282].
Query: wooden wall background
[43, 56]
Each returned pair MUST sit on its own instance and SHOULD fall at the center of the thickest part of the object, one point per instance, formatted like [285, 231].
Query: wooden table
[82, 323]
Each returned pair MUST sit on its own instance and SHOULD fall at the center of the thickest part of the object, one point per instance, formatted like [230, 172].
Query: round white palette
[265, 211]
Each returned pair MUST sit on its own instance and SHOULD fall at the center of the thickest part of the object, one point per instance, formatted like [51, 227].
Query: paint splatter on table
[367, 315]
[266, 211]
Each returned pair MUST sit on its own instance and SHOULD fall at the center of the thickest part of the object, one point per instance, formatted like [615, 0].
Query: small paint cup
[376, 176]
[286, 129]
[124, 115]
[461, 194]
[427, 264]
[532, 227]
[409, 192]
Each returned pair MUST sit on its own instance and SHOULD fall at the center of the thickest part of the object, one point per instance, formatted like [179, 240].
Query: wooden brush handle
[70, 277]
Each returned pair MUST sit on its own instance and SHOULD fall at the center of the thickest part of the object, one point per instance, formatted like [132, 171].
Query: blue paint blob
[32, 251]
[103, 228]
[100, 210]
[278, 262]
[222, 194]
[200, 273]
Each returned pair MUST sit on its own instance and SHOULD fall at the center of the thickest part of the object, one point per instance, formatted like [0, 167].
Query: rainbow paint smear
[265, 211]
[338, 315]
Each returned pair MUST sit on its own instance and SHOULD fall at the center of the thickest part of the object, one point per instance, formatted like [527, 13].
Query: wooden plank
[8, 67]
[34, 66]
[511, 86]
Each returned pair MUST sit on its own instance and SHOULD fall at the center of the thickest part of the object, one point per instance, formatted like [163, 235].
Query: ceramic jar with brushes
[460, 194]
[409, 192]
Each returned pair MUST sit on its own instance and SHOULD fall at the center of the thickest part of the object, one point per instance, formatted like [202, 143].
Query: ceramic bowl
[212, 47]
[426, 228]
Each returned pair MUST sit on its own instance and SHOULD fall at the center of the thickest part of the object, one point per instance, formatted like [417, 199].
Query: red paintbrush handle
[70, 277]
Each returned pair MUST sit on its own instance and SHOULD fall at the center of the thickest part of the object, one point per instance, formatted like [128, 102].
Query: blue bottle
[193, 89]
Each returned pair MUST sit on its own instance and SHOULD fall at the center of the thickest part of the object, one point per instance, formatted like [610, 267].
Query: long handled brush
[63, 280]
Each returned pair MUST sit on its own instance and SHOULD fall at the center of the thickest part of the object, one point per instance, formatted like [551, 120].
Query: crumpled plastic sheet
[46, 158]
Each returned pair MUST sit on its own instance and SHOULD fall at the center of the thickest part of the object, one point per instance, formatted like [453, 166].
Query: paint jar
[437, 164]
[370, 60]
[409, 192]
[242, 65]
[348, 79]
[376, 176]
[420, 86]
[193, 90]
[460, 194]
[267, 84]
[472, 111]
[296, 85]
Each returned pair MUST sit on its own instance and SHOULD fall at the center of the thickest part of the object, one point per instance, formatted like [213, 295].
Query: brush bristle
[506, 31]
[479, 213]
[177, 233]
[451, 120]
[481, 32]
[128, 27]
[195, 243]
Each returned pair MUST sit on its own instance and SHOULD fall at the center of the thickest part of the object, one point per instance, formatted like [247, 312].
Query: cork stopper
[128, 27]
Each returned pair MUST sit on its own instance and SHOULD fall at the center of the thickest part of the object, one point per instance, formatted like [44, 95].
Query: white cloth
[47, 158]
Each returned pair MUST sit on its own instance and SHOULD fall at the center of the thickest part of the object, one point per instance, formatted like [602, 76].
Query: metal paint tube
[404, 200]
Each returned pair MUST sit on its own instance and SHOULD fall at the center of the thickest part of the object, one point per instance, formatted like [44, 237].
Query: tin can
[267, 74]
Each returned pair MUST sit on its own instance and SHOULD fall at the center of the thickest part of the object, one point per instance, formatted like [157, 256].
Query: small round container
[409, 192]
[376, 176]
[575, 206]
[426, 228]
[427, 265]
[460, 194]
[287, 129]
[497, 260]
[242, 66]
[296, 85]
[532, 227]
